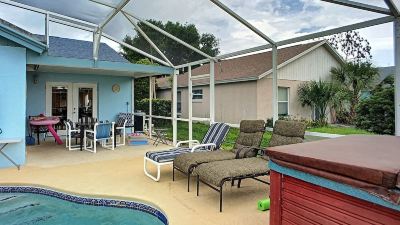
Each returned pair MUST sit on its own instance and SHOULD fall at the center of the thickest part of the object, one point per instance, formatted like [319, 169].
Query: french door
[71, 101]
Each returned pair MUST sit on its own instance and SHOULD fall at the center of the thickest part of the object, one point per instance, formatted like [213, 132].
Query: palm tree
[354, 77]
[317, 94]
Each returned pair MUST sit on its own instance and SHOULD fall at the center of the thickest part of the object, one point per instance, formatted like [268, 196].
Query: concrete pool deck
[120, 173]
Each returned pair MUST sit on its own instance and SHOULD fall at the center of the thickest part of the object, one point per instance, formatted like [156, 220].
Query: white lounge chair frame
[158, 165]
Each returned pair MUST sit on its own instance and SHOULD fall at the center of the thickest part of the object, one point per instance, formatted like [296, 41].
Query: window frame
[287, 102]
[179, 101]
[197, 99]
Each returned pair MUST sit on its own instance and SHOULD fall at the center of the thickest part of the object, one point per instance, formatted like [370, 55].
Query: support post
[46, 31]
[274, 83]
[174, 107]
[150, 106]
[96, 44]
[190, 104]
[396, 39]
[212, 92]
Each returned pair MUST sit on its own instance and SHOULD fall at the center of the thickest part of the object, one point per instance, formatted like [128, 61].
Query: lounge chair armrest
[187, 142]
[212, 145]
[89, 131]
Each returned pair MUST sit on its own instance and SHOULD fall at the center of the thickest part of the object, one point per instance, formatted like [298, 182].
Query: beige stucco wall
[252, 99]
[313, 66]
[233, 102]
[264, 100]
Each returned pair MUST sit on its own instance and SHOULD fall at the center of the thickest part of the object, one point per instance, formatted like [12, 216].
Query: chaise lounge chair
[246, 145]
[215, 174]
[213, 139]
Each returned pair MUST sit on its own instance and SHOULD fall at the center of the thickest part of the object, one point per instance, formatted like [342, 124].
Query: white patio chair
[102, 132]
[212, 140]
[121, 131]
[72, 132]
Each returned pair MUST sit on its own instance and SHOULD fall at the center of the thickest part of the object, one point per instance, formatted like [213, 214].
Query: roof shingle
[250, 66]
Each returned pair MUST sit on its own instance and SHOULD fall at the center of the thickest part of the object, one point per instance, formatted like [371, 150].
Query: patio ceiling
[86, 20]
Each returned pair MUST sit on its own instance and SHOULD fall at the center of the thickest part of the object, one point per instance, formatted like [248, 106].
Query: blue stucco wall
[109, 103]
[12, 101]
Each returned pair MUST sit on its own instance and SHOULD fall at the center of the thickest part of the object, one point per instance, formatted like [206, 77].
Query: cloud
[279, 19]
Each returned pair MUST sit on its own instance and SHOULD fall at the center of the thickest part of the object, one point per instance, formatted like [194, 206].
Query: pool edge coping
[79, 198]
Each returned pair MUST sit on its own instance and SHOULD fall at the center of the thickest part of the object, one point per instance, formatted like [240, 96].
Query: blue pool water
[29, 208]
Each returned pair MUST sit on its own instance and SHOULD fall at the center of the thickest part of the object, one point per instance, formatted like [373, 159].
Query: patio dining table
[48, 121]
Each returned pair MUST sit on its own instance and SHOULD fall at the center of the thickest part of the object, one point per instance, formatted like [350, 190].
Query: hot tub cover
[368, 162]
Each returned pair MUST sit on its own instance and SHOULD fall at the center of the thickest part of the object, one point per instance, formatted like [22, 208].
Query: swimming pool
[34, 205]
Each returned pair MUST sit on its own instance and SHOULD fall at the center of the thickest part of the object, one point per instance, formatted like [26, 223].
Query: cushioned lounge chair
[215, 174]
[247, 144]
[213, 139]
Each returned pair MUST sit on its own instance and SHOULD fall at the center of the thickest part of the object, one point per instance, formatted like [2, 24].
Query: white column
[190, 104]
[150, 105]
[133, 96]
[133, 102]
[46, 31]
[396, 39]
[274, 83]
[174, 107]
[212, 92]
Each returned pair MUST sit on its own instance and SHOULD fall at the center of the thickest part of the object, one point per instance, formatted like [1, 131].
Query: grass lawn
[199, 130]
[339, 130]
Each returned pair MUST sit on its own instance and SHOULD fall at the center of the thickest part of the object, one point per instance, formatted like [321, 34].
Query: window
[197, 94]
[179, 102]
[283, 101]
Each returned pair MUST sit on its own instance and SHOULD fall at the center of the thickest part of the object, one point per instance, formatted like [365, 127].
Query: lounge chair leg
[240, 180]
[198, 184]
[188, 182]
[233, 183]
[173, 171]
[220, 198]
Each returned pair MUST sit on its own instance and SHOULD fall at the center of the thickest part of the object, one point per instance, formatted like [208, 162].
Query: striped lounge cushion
[166, 156]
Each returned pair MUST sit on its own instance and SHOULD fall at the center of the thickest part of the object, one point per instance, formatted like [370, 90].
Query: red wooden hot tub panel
[297, 202]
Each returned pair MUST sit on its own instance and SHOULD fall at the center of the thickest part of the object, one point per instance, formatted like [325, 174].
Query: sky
[278, 19]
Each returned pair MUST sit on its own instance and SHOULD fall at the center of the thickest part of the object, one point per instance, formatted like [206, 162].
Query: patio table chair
[72, 132]
[102, 132]
[212, 140]
[120, 131]
[215, 174]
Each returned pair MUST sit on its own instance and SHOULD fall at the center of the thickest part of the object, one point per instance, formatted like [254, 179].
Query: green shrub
[160, 107]
[376, 113]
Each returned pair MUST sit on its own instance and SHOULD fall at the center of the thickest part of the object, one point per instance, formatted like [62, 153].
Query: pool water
[28, 208]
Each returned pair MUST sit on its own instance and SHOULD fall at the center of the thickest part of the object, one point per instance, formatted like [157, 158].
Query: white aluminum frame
[393, 12]
[196, 146]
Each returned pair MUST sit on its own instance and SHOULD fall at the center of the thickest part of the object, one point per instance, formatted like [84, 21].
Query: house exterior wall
[233, 101]
[264, 100]
[109, 103]
[291, 76]
[13, 102]
[304, 69]
[253, 99]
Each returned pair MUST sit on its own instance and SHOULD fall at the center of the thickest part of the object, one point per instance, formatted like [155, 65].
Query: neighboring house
[244, 85]
[60, 79]
[383, 73]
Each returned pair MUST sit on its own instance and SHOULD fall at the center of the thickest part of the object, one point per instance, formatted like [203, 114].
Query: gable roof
[245, 68]
[58, 46]
[78, 49]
